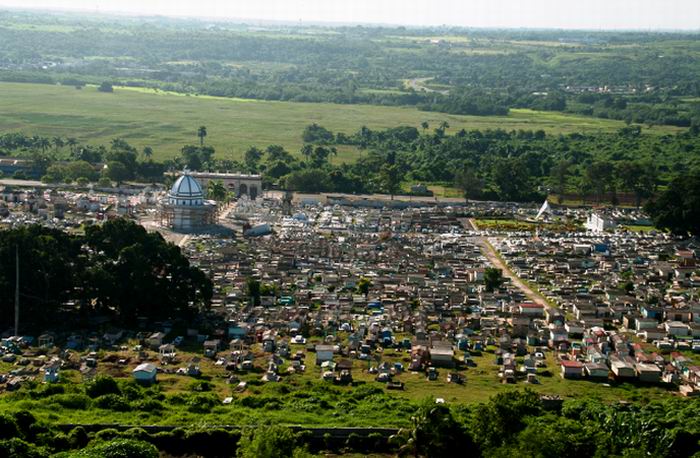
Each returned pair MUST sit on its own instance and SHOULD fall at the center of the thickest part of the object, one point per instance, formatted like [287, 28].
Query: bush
[105, 87]
[139, 434]
[107, 434]
[8, 427]
[267, 442]
[47, 390]
[16, 448]
[72, 401]
[78, 437]
[202, 403]
[212, 442]
[113, 402]
[120, 448]
[149, 405]
[102, 385]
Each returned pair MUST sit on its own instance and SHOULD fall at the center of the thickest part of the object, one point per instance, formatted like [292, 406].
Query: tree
[267, 442]
[308, 180]
[197, 157]
[217, 191]
[472, 186]
[105, 87]
[278, 153]
[599, 175]
[363, 286]
[503, 416]
[201, 133]
[147, 152]
[306, 151]
[253, 290]
[390, 177]
[316, 134]
[58, 143]
[72, 143]
[493, 278]
[678, 207]
[425, 126]
[252, 158]
[560, 175]
[116, 171]
[435, 433]
[638, 178]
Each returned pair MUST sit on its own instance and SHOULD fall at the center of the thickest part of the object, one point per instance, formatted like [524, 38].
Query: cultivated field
[167, 121]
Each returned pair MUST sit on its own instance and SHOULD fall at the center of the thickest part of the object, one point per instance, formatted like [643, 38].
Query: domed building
[185, 209]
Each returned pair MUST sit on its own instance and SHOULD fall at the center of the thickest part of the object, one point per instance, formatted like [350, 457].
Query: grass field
[167, 121]
[304, 398]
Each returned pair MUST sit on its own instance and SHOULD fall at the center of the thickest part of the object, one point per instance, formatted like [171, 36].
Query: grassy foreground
[167, 121]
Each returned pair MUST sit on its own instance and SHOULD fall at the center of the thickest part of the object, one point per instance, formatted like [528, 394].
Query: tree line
[637, 77]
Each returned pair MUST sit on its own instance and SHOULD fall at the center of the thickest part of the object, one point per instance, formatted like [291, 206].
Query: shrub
[25, 421]
[113, 402]
[107, 434]
[120, 448]
[149, 405]
[212, 442]
[267, 442]
[16, 447]
[136, 434]
[102, 385]
[202, 403]
[78, 437]
[72, 401]
[8, 427]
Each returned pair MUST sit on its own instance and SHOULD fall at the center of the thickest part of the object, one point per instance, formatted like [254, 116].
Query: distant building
[238, 184]
[597, 222]
[185, 209]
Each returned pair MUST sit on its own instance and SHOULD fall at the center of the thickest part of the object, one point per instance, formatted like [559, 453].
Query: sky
[565, 14]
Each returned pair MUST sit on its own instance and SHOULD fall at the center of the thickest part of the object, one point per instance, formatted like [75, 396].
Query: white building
[599, 223]
[185, 209]
[145, 373]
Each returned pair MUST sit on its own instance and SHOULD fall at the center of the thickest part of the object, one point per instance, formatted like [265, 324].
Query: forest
[646, 78]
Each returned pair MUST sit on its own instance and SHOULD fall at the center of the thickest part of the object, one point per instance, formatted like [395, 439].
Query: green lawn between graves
[167, 121]
[300, 399]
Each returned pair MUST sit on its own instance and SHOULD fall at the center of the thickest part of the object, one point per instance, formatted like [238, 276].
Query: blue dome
[186, 187]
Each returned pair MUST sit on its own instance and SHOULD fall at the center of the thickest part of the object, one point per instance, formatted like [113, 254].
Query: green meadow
[167, 121]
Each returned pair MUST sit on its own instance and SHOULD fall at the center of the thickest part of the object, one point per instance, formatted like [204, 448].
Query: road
[490, 252]
[418, 85]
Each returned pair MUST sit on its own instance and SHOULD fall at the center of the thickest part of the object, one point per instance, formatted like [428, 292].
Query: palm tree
[57, 143]
[425, 125]
[306, 150]
[43, 143]
[444, 125]
[201, 133]
[71, 142]
[147, 152]
[217, 191]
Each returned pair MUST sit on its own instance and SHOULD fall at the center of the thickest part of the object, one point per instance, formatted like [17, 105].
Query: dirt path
[490, 252]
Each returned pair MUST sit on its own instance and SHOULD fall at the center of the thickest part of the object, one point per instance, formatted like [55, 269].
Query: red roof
[572, 364]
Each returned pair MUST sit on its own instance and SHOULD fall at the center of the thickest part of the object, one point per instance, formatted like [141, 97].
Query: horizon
[646, 15]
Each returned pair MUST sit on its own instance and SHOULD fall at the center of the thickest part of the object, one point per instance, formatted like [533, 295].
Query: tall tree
[678, 207]
[201, 133]
[471, 185]
[217, 191]
[560, 173]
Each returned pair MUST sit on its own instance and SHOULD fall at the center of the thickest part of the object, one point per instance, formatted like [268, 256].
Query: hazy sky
[586, 14]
